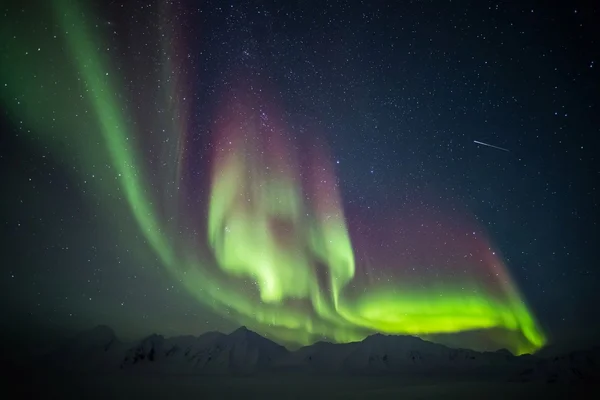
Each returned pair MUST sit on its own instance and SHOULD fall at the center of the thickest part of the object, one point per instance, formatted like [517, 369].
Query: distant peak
[153, 337]
[246, 334]
[504, 352]
[242, 330]
[377, 335]
[382, 336]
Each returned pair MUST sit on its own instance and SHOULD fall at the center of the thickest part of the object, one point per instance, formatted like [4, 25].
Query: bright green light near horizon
[263, 225]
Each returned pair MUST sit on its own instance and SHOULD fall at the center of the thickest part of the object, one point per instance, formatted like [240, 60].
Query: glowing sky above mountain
[276, 219]
[267, 241]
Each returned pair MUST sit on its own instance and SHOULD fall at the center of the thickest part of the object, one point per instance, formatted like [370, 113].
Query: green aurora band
[269, 221]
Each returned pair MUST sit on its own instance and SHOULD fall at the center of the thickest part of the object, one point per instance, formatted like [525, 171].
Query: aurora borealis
[243, 205]
[279, 222]
[274, 218]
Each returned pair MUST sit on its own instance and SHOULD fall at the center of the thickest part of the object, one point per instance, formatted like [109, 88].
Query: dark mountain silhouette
[246, 352]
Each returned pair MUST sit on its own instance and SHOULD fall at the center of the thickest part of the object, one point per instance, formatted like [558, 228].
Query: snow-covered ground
[194, 387]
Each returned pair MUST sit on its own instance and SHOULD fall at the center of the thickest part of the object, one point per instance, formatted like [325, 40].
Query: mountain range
[244, 352]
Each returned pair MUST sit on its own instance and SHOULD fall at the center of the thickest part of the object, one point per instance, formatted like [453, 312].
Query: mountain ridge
[245, 352]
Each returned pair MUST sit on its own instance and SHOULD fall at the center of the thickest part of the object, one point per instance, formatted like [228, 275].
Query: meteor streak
[490, 145]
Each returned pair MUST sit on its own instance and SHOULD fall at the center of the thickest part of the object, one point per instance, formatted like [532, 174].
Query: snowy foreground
[245, 365]
[194, 387]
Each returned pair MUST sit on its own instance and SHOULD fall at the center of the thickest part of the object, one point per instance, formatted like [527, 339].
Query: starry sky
[313, 170]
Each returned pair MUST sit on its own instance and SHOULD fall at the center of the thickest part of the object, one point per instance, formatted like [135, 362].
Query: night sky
[313, 170]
